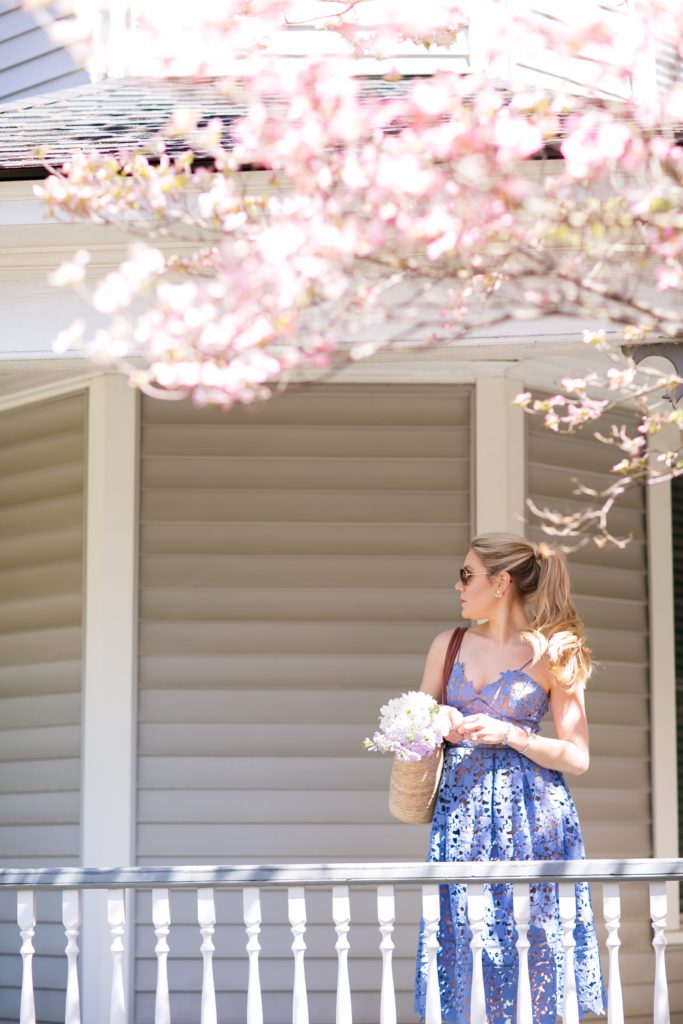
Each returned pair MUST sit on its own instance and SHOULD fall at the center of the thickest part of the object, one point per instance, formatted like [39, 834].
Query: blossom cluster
[337, 216]
[649, 446]
[410, 726]
[418, 208]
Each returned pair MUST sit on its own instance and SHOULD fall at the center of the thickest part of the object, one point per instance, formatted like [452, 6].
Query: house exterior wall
[197, 537]
[614, 798]
[41, 627]
[295, 560]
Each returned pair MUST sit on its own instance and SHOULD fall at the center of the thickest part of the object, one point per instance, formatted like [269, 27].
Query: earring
[498, 593]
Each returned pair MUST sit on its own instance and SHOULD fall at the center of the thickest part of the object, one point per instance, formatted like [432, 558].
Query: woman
[503, 795]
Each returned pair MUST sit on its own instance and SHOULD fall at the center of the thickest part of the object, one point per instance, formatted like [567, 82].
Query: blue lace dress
[495, 804]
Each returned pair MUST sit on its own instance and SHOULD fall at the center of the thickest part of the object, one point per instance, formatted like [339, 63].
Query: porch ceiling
[33, 379]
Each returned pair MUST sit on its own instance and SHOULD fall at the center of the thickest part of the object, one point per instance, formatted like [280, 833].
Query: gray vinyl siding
[41, 573]
[669, 66]
[610, 587]
[296, 560]
[30, 62]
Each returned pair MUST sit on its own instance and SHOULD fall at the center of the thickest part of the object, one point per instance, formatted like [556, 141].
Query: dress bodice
[513, 697]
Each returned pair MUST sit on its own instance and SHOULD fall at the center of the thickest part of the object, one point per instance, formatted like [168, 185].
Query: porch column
[109, 675]
[500, 457]
[663, 753]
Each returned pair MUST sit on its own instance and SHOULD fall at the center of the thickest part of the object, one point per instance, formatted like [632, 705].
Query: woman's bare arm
[432, 679]
[568, 753]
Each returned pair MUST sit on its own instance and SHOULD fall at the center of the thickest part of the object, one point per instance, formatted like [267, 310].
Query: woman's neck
[505, 625]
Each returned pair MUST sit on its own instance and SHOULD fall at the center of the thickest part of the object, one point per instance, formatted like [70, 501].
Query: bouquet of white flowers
[411, 726]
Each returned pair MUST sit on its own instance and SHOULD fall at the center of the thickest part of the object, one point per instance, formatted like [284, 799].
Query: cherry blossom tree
[337, 218]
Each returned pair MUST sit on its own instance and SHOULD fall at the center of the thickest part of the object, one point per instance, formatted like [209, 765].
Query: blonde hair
[541, 577]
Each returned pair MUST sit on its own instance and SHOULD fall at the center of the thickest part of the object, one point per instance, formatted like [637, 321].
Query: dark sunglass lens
[464, 577]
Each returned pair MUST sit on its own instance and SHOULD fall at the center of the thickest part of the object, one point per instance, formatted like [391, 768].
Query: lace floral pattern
[496, 804]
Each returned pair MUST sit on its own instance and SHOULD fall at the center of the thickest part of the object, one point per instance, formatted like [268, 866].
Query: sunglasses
[467, 574]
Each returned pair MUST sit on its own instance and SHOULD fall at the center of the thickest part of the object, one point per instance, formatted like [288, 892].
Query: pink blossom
[573, 383]
[593, 141]
[71, 272]
[516, 137]
[621, 378]
[113, 293]
[70, 337]
[594, 337]
[405, 172]
[669, 275]
[432, 97]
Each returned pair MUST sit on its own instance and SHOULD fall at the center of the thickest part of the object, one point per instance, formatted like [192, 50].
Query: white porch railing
[338, 877]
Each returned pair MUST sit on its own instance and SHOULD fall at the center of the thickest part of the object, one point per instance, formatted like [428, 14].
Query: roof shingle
[117, 116]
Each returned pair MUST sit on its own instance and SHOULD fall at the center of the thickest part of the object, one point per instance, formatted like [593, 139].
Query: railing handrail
[197, 876]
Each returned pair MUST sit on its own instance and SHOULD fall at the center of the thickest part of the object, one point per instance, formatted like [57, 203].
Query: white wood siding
[610, 586]
[41, 549]
[531, 62]
[296, 560]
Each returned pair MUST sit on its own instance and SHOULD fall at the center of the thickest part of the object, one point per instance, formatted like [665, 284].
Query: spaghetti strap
[526, 663]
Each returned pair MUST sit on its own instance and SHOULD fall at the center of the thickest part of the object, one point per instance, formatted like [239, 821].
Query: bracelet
[506, 737]
[529, 734]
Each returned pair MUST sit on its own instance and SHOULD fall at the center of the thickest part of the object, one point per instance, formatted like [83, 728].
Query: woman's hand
[456, 718]
[483, 730]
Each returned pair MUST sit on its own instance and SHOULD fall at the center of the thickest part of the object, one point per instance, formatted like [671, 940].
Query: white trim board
[41, 392]
[108, 744]
[664, 758]
[499, 463]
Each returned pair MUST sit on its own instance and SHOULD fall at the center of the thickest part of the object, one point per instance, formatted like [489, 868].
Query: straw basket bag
[415, 784]
[413, 788]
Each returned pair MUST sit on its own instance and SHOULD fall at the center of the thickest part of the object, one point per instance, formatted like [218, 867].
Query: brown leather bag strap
[451, 654]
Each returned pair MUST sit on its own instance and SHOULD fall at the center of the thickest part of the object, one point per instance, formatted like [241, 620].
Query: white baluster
[161, 919]
[71, 919]
[251, 904]
[206, 915]
[116, 919]
[341, 915]
[296, 901]
[611, 906]
[658, 910]
[386, 915]
[567, 901]
[26, 919]
[476, 902]
[521, 905]
[430, 916]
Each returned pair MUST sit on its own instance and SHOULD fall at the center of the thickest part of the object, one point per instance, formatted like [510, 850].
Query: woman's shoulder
[441, 641]
[540, 671]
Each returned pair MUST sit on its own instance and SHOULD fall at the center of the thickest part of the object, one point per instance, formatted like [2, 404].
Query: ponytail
[557, 629]
[541, 577]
